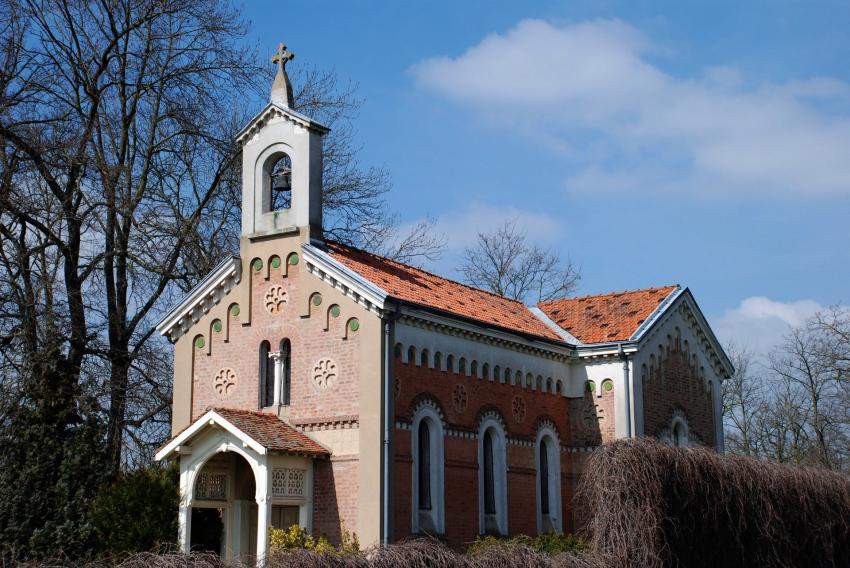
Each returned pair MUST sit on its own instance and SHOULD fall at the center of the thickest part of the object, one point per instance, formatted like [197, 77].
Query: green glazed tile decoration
[199, 341]
[335, 311]
[317, 299]
[293, 259]
[217, 326]
[354, 324]
[258, 264]
[608, 385]
[275, 262]
[234, 311]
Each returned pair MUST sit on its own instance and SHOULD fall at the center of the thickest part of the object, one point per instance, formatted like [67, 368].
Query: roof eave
[224, 276]
[297, 117]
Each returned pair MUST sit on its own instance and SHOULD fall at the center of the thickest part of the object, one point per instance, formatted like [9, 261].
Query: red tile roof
[271, 432]
[417, 286]
[606, 317]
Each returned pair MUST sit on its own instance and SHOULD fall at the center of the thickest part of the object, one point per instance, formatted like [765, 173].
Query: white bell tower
[281, 165]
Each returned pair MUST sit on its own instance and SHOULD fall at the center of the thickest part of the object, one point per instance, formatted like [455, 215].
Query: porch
[241, 472]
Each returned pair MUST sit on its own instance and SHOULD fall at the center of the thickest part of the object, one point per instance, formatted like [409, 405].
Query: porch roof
[264, 432]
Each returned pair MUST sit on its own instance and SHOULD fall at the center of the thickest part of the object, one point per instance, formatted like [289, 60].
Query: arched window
[438, 361]
[548, 460]
[492, 478]
[423, 359]
[281, 184]
[266, 367]
[485, 371]
[285, 369]
[428, 482]
[450, 363]
[411, 355]
[679, 433]
[473, 368]
[424, 468]
[461, 366]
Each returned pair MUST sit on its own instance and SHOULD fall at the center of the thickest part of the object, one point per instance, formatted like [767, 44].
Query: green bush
[551, 543]
[297, 537]
[138, 512]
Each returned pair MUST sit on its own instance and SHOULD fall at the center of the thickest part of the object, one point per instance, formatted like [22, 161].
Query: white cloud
[760, 323]
[710, 133]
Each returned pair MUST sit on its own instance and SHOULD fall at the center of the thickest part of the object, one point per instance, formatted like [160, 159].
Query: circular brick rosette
[225, 382]
[275, 299]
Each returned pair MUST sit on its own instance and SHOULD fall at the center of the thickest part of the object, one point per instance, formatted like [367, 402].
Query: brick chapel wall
[463, 399]
[275, 302]
[676, 376]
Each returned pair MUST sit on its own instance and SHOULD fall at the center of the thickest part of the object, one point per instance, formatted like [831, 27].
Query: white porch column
[184, 515]
[278, 377]
[264, 509]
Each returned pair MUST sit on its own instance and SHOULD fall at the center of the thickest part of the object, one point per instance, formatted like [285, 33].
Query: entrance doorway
[207, 530]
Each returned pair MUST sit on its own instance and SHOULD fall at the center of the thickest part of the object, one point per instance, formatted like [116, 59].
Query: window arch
[411, 355]
[450, 363]
[679, 433]
[473, 368]
[548, 464]
[549, 386]
[428, 475]
[438, 361]
[492, 477]
[485, 371]
[497, 374]
[461, 366]
[423, 358]
[266, 373]
[508, 377]
[280, 183]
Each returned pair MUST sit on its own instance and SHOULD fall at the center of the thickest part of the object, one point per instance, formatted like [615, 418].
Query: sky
[699, 143]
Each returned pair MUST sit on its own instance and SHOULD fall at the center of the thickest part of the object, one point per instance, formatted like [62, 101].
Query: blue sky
[706, 144]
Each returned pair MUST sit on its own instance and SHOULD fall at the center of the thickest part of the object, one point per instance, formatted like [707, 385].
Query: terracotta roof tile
[606, 317]
[417, 286]
[271, 432]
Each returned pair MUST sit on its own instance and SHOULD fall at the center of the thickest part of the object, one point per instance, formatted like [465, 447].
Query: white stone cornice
[272, 111]
[423, 319]
[321, 264]
[206, 294]
[562, 333]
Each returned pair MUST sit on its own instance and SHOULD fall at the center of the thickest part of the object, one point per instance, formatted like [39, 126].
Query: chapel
[320, 385]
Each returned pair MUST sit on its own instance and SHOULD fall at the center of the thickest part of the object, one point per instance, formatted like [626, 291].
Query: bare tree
[117, 124]
[744, 404]
[506, 263]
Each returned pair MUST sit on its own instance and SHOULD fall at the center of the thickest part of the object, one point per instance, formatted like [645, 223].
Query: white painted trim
[656, 314]
[208, 419]
[437, 438]
[352, 284]
[563, 333]
[273, 109]
[500, 476]
[207, 293]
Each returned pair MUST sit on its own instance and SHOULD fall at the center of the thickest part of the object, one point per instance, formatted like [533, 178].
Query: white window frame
[437, 512]
[500, 474]
[554, 459]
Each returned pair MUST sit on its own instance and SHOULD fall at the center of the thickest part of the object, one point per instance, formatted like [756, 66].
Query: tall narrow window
[544, 478]
[266, 367]
[286, 365]
[489, 475]
[424, 466]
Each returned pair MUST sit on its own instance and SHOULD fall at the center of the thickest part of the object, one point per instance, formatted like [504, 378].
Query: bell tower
[282, 165]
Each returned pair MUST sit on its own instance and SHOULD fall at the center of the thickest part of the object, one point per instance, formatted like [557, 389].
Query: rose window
[324, 374]
[224, 382]
[459, 398]
[518, 407]
[275, 299]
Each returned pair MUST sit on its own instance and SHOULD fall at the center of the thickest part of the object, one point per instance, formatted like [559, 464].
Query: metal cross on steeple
[282, 88]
